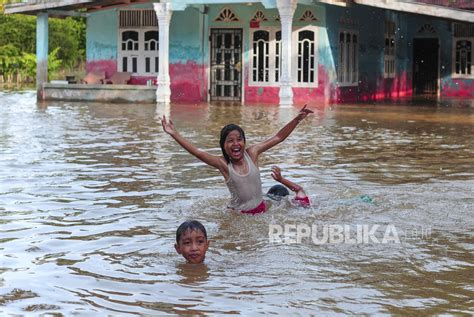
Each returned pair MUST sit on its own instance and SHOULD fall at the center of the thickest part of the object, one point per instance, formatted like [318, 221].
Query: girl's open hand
[168, 126]
[303, 113]
[276, 173]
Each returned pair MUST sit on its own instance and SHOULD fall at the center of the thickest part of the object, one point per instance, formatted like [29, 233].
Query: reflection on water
[91, 196]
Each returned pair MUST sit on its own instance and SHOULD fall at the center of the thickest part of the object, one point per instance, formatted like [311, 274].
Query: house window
[266, 53]
[463, 44]
[129, 49]
[138, 42]
[277, 56]
[261, 57]
[347, 74]
[463, 57]
[389, 50]
[306, 57]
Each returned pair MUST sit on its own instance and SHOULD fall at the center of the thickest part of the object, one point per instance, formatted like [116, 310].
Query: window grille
[389, 50]
[266, 57]
[463, 30]
[137, 19]
[463, 44]
[347, 74]
[260, 55]
[277, 56]
[463, 59]
[138, 46]
[306, 57]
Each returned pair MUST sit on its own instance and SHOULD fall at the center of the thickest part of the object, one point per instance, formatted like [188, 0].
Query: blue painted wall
[187, 35]
[102, 35]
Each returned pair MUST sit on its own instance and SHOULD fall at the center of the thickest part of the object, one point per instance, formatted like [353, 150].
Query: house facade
[285, 51]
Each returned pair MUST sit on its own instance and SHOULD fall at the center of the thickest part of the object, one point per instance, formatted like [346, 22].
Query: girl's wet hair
[190, 225]
[225, 132]
[277, 192]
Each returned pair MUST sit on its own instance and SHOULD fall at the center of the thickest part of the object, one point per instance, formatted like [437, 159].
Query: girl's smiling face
[234, 145]
[193, 245]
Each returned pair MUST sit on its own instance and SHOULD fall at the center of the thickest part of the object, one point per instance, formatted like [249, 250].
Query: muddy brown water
[91, 196]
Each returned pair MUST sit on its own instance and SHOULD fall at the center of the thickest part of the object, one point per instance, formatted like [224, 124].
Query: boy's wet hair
[277, 192]
[190, 225]
[225, 132]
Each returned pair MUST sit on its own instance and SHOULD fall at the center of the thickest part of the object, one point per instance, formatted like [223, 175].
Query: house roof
[34, 7]
[461, 10]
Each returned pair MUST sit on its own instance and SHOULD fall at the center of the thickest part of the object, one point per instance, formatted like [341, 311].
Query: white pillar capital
[163, 13]
[286, 9]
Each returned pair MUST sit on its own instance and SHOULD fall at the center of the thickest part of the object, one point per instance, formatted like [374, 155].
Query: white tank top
[245, 190]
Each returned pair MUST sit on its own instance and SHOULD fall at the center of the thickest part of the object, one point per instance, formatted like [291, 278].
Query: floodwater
[91, 196]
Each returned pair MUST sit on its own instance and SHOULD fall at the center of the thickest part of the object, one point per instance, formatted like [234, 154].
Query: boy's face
[192, 245]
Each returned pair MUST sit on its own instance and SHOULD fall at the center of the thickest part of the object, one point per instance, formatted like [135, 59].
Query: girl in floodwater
[238, 163]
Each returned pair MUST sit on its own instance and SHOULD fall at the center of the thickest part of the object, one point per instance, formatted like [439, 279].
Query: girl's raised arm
[209, 159]
[255, 150]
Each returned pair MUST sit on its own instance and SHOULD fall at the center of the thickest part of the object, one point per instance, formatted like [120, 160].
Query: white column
[286, 9]
[163, 13]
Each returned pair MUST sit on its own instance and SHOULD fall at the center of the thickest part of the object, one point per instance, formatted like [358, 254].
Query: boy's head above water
[277, 192]
[191, 241]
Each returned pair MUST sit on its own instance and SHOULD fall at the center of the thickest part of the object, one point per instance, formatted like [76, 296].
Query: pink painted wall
[141, 80]
[270, 95]
[384, 89]
[394, 88]
[458, 88]
[188, 82]
[261, 95]
[108, 66]
[316, 95]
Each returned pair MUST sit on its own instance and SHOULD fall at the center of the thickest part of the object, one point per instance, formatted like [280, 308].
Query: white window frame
[389, 55]
[141, 54]
[152, 54]
[295, 57]
[129, 54]
[271, 52]
[273, 82]
[460, 75]
[353, 54]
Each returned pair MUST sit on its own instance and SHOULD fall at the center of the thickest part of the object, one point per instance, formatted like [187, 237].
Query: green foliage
[28, 65]
[54, 63]
[19, 31]
[25, 64]
[10, 60]
[18, 44]
[66, 34]
[9, 50]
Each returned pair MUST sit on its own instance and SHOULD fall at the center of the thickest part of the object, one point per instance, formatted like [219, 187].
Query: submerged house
[266, 51]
